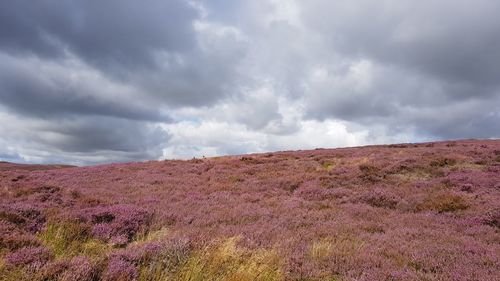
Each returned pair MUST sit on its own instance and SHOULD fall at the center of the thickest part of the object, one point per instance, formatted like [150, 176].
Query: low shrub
[120, 269]
[443, 202]
[370, 173]
[118, 223]
[32, 258]
[493, 219]
[290, 185]
[380, 198]
[23, 215]
[15, 241]
[368, 169]
[443, 162]
[318, 194]
[81, 269]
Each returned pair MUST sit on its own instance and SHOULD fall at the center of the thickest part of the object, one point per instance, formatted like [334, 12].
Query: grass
[321, 250]
[17, 274]
[230, 263]
[328, 165]
[9, 274]
[69, 239]
[151, 236]
[220, 261]
[343, 246]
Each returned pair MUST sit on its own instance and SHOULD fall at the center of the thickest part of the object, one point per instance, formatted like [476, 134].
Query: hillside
[7, 166]
[426, 211]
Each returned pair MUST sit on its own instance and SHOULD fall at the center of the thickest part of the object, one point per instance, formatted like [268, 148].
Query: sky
[86, 82]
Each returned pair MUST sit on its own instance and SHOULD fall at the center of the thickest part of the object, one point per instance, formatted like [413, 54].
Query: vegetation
[398, 212]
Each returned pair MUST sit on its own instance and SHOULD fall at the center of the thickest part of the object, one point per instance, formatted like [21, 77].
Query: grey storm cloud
[151, 46]
[82, 140]
[90, 135]
[454, 41]
[121, 64]
[110, 33]
[36, 88]
[100, 81]
[437, 57]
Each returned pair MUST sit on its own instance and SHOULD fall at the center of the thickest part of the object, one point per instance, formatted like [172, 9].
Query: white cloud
[212, 138]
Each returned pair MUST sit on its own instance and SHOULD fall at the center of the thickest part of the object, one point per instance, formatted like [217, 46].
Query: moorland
[427, 211]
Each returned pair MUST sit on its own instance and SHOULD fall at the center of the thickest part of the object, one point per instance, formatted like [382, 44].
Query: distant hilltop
[7, 166]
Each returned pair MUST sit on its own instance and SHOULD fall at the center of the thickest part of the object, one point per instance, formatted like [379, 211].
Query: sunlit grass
[155, 235]
[9, 274]
[344, 246]
[231, 263]
[68, 239]
[321, 250]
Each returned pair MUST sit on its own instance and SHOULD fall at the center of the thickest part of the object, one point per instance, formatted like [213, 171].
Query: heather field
[426, 211]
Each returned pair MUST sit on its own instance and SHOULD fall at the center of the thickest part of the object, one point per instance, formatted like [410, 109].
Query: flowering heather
[32, 257]
[399, 212]
[79, 268]
[22, 215]
[117, 223]
[121, 269]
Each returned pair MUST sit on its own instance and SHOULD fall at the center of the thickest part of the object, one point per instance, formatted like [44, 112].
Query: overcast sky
[88, 81]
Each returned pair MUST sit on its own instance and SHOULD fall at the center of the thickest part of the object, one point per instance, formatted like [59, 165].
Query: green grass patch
[70, 239]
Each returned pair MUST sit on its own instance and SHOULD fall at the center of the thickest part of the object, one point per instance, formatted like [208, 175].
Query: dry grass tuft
[443, 202]
[231, 263]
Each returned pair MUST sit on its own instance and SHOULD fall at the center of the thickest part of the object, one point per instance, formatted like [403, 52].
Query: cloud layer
[88, 82]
